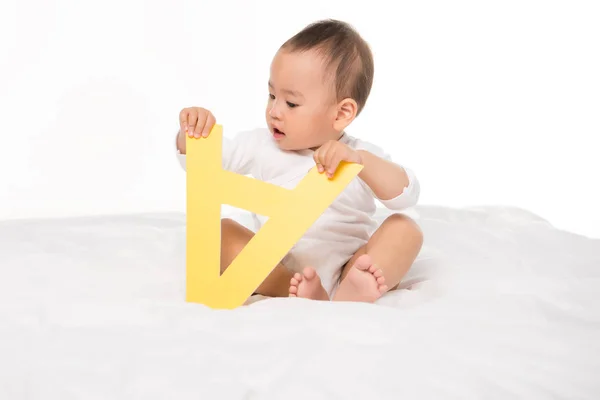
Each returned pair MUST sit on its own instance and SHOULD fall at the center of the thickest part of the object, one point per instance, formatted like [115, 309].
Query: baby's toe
[372, 268]
[309, 273]
[364, 263]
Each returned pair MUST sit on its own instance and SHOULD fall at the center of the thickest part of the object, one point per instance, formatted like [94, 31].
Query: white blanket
[499, 305]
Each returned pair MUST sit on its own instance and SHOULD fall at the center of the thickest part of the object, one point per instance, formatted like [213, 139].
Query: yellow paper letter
[290, 212]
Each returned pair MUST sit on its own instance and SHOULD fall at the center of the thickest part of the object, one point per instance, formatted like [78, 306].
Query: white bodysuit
[343, 228]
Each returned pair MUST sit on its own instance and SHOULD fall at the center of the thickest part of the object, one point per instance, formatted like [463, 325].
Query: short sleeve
[409, 196]
[238, 152]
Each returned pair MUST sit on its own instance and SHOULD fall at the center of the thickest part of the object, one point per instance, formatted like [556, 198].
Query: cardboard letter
[290, 212]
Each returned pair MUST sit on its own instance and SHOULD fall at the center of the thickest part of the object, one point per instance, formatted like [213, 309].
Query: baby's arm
[385, 178]
[395, 186]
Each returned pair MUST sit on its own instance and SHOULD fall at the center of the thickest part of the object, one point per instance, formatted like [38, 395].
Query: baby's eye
[291, 105]
[272, 96]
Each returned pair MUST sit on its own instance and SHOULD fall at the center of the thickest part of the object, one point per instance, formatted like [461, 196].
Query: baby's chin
[286, 146]
[287, 142]
[289, 145]
[284, 142]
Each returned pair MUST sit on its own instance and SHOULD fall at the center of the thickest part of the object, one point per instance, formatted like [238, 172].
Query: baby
[320, 80]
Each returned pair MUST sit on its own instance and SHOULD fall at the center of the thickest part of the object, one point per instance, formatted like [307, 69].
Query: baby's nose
[274, 111]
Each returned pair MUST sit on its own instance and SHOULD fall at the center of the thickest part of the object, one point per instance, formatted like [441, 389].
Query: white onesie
[343, 228]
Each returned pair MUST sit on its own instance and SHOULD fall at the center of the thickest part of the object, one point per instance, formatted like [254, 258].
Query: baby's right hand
[195, 122]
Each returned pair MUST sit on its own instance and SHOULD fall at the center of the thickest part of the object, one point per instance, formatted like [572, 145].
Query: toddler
[320, 80]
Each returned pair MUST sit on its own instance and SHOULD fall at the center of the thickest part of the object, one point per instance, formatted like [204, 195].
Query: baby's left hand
[329, 156]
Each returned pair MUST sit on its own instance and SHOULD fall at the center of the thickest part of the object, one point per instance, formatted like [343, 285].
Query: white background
[491, 103]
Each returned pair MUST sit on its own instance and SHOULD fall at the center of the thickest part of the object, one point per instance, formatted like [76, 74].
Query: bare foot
[364, 282]
[307, 285]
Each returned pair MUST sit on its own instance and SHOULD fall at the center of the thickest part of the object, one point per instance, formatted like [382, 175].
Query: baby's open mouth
[277, 132]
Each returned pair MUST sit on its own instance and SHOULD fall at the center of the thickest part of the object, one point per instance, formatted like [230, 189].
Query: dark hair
[343, 48]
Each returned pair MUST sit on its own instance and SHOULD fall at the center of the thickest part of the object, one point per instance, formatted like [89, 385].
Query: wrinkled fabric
[498, 305]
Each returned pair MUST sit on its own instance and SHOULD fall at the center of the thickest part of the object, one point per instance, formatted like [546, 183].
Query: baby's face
[301, 109]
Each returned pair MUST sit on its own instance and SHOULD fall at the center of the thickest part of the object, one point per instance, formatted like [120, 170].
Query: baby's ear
[346, 112]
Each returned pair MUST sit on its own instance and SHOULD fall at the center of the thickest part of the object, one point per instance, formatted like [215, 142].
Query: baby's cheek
[316, 123]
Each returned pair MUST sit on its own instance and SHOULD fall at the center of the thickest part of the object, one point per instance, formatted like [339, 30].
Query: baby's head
[320, 81]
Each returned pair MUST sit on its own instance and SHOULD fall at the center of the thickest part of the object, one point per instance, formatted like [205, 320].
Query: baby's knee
[401, 224]
[228, 225]
[234, 236]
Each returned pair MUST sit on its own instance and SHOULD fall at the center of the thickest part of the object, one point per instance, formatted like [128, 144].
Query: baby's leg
[234, 237]
[382, 262]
